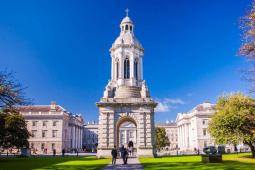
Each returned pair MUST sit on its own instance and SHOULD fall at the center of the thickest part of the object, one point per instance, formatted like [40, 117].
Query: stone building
[192, 128]
[171, 131]
[52, 127]
[126, 97]
[90, 136]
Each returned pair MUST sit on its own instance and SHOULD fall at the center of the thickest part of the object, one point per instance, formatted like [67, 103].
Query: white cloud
[167, 104]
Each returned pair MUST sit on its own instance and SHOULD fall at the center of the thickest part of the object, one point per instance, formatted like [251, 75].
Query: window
[55, 123]
[203, 122]
[126, 28]
[44, 133]
[34, 133]
[54, 133]
[136, 69]
[117, 70]
[126, 68]
[42, 146]
[205, 144]
[32, 145]
[53, 146]
[65, 133]
[204, 132]
[34, 123]
[44, 123]
[130, 28]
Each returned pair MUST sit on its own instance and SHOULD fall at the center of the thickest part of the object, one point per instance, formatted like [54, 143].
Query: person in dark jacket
[114, 155]
[124, 154]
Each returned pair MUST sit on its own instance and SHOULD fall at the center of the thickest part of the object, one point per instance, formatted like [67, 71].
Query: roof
[166, 124]
[126, 20]
[39, 108]
[206, 106]
[127, 38]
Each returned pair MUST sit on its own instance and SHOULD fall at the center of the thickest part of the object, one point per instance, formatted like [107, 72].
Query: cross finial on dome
[127, 10]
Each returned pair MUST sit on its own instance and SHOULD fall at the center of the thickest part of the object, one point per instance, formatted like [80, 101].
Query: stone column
[121, 70]
[148, 130]
[111, 130]
[73, 137]
[141, 130]
[141, 68]
[81, 137]
[112, 68]
[132, 78]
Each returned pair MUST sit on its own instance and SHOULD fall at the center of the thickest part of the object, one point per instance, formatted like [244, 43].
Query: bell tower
[126, 96]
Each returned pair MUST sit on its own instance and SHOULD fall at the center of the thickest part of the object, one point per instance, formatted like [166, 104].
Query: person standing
[114, 155]
[63, 152]
[123, 152]
[125, 155]
[54, 152]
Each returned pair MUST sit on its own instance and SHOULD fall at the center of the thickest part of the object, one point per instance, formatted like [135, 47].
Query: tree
[234, 121]
[11, 92]
[13, 130]
[161, 138]
[247, 48]
[14, 133]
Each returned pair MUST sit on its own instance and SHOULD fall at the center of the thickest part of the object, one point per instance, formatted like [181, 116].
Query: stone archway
[126, 120]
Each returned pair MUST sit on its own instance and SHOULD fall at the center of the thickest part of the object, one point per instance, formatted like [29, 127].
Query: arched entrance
[126, 130]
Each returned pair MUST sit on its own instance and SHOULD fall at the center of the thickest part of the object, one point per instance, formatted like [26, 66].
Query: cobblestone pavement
[133, 163]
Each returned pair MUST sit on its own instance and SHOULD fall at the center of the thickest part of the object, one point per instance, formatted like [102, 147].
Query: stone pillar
[111, 132]
[73, 137]
[121, 71]
[132, 77]
[112, 68]
[106, 134]
[145, 145]
[141, 68]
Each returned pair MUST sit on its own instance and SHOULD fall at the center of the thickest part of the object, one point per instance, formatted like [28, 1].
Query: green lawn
[56, 163]
[230, 162]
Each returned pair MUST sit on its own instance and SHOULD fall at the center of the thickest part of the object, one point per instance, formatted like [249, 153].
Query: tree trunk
[252, 147]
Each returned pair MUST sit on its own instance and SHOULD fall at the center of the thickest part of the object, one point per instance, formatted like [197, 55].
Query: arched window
[136, 69]
[117, 69]
[130, 28]
[126, 68]
[126, 28]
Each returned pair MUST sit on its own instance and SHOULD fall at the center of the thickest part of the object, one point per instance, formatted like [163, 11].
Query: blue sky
[60, 49]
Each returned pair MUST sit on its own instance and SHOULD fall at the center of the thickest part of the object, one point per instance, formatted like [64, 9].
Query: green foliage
[233, 122]
[13, 130]
[161, 138]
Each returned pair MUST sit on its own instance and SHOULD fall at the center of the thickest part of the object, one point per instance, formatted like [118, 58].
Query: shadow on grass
[225, 165]
[40, 163]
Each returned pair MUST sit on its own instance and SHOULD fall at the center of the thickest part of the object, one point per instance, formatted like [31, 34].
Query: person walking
[123, 153]
[114, 155]
[63, 152]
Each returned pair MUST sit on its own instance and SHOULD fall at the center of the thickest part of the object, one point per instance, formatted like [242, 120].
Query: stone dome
[206, 106]
[127, 38]
[126, 20]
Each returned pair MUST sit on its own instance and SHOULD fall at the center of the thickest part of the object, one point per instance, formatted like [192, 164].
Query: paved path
[133, 163]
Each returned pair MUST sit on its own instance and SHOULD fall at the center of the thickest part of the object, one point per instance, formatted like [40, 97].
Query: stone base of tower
[104, 153]
[146, 152]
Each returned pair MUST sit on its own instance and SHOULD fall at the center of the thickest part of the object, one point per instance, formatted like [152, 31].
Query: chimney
[53, 106]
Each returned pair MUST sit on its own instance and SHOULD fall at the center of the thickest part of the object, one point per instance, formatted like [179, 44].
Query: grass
[56, 163]
[230, 162]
